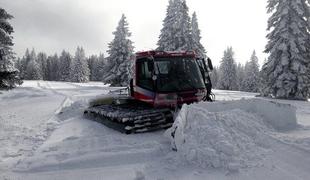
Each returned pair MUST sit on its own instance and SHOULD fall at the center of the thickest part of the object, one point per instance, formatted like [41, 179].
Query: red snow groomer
[162, 82]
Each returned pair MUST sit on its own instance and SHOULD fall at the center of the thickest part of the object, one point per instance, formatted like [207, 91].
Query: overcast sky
[54, 25]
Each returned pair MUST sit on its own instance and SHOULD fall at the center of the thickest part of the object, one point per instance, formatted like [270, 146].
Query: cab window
[144, 76]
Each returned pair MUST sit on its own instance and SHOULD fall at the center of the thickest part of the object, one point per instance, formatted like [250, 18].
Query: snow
[43, 135]
[280, 116]
[230, 134]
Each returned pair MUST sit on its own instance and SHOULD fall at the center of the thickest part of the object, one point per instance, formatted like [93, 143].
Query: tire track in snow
[51, 124]
[291, 160]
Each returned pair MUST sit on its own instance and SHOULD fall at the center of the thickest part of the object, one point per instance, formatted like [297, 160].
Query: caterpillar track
[130, 116]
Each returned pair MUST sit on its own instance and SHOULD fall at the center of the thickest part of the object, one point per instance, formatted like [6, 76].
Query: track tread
[131, 118]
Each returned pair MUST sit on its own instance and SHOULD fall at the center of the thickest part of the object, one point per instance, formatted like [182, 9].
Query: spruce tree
[184, 37]
[240, 77]
[214, 77]
[228, 73]
[97, 67]
[251, 78]
[33, 68]
[176, 32]
[101, 69]
[55, 68]
[287, 72]
[197, 46]
[166, 38]
[119, 63]
[9, 75]
[52, 67]
[49, 68]
[79, 69]
[65, 62]
[42, 60]
[23, 64]
[93, 66]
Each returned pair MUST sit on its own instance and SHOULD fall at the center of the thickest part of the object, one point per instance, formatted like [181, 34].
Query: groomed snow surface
[43, 135]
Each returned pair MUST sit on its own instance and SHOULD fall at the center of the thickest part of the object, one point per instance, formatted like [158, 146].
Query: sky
[53, 25]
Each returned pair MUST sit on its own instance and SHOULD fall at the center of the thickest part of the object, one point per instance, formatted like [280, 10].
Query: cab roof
[161, 54]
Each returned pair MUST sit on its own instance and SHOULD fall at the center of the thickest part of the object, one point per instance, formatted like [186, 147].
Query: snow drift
[228, 135]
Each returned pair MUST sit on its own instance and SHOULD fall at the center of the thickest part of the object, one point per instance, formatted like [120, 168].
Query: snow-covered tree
[42, 60]
[197, 46]
[33, 68]
[240, 76]
[49, 68]
[52, 67]
[93, 65]
[101, 68]
[120, 52]
[287, 71]
[79, 69]
[176, 32]
[214, 77]
[251, 78]
[228, 74]
[166, 38]
[65, 61]
[184, 37]
[23, 63]
[6, 30]
[96, 66]
[9, 75]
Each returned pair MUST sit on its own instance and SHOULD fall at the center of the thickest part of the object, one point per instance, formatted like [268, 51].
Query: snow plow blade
[129, 116]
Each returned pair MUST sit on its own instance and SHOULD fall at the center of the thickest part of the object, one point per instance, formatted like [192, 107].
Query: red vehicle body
[177, 68]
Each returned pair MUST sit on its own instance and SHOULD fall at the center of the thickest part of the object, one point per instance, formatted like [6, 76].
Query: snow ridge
[229, 135]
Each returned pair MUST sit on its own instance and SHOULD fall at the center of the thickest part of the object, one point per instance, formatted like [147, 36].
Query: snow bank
[280, 116]
[228, 135]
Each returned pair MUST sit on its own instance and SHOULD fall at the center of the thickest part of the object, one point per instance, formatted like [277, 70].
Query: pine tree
[228, 73]
[9, 76]
[120, 52]
[42, 60]
[93, 66]
[33, 68]
[55, 67]
[23, 64]
[251, 78]
[240, 77]
[166, 38]
[287, 71]
[49, 68]
[79, 69]
[214, 77]
[101, 69]
[97, 67]
[65, 62]
[52, 68]
[197, 46]
[183, 35]
[176, 32]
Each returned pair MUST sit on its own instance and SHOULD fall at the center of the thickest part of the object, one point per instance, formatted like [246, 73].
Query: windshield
[177, 74]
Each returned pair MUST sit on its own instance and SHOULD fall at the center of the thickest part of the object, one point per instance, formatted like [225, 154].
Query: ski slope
[43, 135]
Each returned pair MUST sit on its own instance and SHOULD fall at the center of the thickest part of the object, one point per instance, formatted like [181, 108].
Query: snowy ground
[43, 135]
